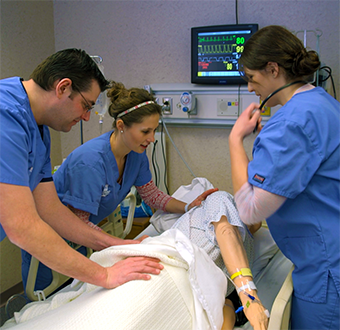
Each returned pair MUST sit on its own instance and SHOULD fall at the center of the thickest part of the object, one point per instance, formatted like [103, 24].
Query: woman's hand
[141, 238]
[247, 121]
[202, 197]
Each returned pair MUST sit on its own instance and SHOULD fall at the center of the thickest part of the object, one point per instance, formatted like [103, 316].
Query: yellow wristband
[243, 272]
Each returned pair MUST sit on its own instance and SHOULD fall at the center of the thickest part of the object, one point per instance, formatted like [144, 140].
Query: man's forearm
[66, 223]
[65, 260]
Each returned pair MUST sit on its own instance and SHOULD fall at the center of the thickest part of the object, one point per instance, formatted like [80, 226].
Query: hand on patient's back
[202, 197]
[141, 238]
[133, 268]
[134, 241]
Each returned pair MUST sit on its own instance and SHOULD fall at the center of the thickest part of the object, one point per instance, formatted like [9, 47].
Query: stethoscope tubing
[272, 94]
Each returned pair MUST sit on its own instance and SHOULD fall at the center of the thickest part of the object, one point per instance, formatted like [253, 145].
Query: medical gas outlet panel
[204, 105]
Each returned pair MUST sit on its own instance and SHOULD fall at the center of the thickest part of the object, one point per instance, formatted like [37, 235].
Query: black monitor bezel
[195, 79]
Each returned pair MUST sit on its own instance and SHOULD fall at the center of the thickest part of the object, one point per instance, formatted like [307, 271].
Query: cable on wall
[173, 143]
[154, 163]
[329, 72]
[236, 10]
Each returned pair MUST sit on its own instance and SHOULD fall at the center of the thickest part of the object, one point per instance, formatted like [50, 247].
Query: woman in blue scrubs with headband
[293, 179]
[97, 176]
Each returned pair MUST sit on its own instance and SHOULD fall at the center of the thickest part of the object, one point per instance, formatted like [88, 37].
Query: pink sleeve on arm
[153, 197]
[255, 204]
[84, 216]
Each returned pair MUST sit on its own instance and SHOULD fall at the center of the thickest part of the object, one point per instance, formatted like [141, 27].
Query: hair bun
[116, 91]
[298, 57]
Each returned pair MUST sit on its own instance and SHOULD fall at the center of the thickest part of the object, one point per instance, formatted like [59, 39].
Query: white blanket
[188, 294]
[163, 220]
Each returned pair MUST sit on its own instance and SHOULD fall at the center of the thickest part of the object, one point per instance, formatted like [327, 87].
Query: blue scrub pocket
[308, 254]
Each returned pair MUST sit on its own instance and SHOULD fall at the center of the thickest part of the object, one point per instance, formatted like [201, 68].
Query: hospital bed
[112, 225]
[99, 308]
[272, 275]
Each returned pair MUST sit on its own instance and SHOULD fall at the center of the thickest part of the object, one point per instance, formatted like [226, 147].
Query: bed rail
[280, 313]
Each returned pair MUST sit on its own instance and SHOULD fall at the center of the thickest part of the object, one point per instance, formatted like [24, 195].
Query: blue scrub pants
[307, 315]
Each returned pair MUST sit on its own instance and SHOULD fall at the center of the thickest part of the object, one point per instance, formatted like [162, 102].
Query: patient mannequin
[216, 227]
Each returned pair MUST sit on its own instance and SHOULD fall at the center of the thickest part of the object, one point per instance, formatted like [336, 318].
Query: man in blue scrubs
[61, 91]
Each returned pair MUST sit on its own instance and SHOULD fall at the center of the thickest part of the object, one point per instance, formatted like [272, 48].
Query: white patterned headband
[134, 108]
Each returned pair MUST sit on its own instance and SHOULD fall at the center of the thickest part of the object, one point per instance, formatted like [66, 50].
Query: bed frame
[280, 313]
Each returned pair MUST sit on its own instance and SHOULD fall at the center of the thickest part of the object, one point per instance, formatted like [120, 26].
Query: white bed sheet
[270, 267]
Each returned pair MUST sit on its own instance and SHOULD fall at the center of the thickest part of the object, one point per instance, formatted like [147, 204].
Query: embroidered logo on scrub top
[106, 191]
[259, 178]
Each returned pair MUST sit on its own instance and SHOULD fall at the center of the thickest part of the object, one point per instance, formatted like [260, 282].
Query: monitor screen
[215, 51]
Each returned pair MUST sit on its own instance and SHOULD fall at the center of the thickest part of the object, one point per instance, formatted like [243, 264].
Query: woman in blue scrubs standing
[97, 176]
[293, 179]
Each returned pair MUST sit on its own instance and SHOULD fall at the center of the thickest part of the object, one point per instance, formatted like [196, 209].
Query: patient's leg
[228, 315]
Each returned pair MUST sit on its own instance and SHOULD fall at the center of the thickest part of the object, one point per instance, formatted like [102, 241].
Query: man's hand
[132, 268]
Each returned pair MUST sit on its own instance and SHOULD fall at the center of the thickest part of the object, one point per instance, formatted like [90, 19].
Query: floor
[14, 304]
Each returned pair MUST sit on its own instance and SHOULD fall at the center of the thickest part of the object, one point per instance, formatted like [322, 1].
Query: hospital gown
[197, 226]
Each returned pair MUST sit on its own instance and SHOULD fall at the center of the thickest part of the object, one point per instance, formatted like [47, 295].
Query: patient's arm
[235, 258]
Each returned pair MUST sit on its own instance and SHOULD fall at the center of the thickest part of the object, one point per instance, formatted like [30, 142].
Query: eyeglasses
[88, 106]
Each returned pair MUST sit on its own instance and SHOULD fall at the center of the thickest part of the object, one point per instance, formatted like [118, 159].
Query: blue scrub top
[25, 156]
[296, 155]
[87, 179]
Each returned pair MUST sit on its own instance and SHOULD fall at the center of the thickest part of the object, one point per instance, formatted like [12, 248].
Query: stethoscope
[272, 94]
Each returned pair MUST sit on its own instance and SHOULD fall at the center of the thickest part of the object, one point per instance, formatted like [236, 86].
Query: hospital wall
[146, 42]
[27, 37]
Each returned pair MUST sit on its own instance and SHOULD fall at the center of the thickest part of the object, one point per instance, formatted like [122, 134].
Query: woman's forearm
[239, 162]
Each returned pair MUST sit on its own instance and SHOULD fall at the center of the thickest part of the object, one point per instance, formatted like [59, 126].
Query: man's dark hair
[72, 63]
